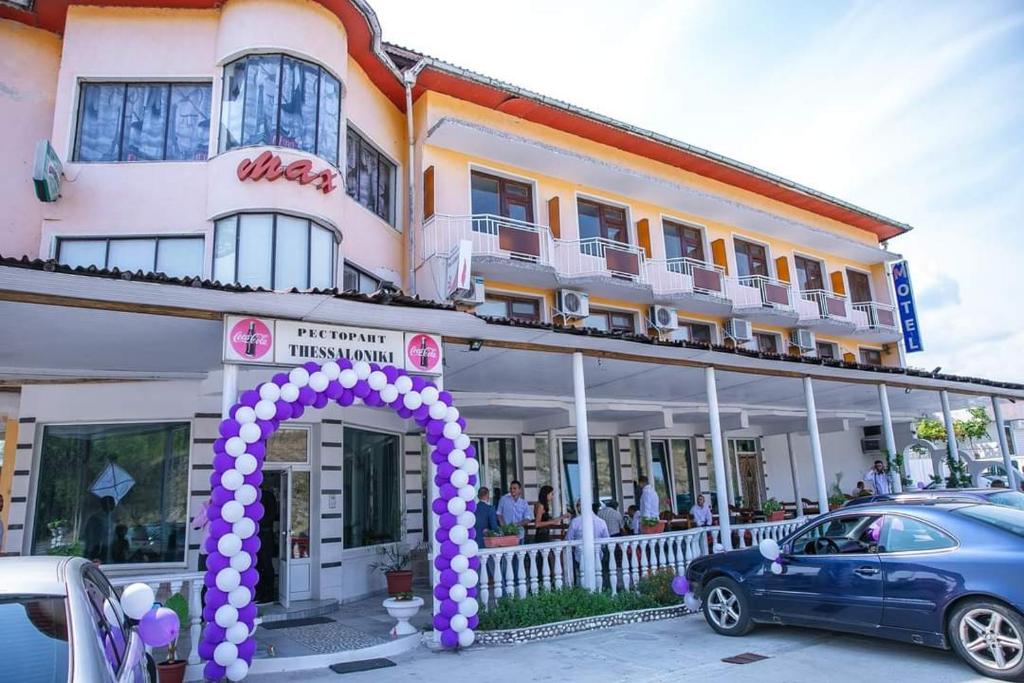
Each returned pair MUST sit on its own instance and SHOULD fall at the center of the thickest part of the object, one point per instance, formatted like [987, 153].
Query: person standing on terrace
[648, 499]
[513, 509]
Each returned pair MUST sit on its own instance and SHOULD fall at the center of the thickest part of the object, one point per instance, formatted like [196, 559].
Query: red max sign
[269, 167]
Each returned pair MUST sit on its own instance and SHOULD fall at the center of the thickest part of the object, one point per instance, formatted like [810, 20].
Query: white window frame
[56, 240]
[703, 229]
[772, 271]
[826, 278]
[716, 335]
[846, 282]
[782, 342]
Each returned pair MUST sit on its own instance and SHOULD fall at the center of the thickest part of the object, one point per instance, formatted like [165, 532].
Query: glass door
[283, 535]
[602, 468]
[748, 482]
[297, 580]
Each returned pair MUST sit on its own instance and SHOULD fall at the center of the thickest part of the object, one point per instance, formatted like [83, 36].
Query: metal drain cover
[745, 658]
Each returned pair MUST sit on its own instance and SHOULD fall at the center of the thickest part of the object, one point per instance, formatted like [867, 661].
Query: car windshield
[1005, 518]
[1013, 499]
[35, 634]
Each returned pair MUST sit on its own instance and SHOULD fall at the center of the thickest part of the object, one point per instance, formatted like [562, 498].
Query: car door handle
[866, 571]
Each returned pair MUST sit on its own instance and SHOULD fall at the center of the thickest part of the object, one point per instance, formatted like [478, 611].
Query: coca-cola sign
[250, 339]
[422, 353]
[268, 166]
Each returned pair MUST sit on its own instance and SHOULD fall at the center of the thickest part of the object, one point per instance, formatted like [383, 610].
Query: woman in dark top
[542, 514]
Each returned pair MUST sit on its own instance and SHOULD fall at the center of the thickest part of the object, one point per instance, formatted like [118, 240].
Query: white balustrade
[189, 584]
[494, 236]
[873, 315]
[830, 306]
[772, 293]
[600, 256]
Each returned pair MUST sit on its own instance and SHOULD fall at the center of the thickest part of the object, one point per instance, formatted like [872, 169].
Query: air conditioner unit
[663, 318]
[802, 339]
[738, 330]
[573, 304]
[475, 295]
[870, 446]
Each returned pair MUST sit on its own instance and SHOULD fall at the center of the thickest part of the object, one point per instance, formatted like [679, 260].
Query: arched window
[273, 251]
[280, 100]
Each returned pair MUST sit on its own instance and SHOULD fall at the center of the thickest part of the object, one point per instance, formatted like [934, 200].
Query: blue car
[993, 496]
[944, 574]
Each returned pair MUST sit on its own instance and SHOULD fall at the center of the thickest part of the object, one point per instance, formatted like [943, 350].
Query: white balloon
[452, 414]
[458, 592]
[769, 548]
[225, 654]
[331, 369]
[136, 600]
[467, 492]
[469, 578]
[245, 415]
[238, 632]
[437, 411]
[244, 528]
[404, 384]
[377, 380]
[231, 479]
[456, 457]
[318, 381]
[241, 561]
[229, 545]
[270, 391]
[776, 568]
[692, 602]
[265, 410]
[458, 534]
[459, 623]
[466, 638]
[389, 393]
[362, 369]
[235, 446]
[299, 376]
[451, 430]
[468, 608]
[412, 400]
[456, 506]
[238, 670]
[250, 433]
[246, 463]
[232, 511]
[347, 379]
[470, 466]
[290, 393]
[238, 598]
[246, 494]
[460, 563]
[462, 442]
[225, 616]
[429, 395]
[459, 478]
[228, 579]
[469, 549]
[466, 519]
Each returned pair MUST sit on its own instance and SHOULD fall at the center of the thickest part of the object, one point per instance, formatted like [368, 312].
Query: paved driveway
[682, 649]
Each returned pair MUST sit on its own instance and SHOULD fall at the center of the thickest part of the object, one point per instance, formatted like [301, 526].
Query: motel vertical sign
[906, 306]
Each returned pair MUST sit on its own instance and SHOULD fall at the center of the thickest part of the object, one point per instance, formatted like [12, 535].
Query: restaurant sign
[268, 166]
[266, 341]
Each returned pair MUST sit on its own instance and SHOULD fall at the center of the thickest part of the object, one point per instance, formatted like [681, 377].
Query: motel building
[201, 194]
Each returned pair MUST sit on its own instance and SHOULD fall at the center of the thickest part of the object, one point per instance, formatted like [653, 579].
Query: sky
[914, 110]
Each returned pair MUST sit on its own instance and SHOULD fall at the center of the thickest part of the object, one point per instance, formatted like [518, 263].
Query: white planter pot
[402, 611]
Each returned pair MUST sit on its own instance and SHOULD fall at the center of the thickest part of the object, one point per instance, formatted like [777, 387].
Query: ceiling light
[476, 344]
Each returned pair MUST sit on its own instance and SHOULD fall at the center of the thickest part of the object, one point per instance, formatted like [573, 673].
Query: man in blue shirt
[513, 508]
[486, 519]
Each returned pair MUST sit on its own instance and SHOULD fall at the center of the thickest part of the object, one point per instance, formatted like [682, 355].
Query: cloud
[941, 293]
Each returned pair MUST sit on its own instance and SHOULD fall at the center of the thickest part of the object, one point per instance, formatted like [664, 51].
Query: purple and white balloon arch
[235, 510]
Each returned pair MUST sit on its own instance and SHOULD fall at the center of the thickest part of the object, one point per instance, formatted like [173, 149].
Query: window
[673, 472]
[767, 342]
[498, 464]
[513, 308]
[1005, 518]
[143, 122]
[808, 274]
[36, 630]
[601, 220]
[279, 100]
[602, 465]
[751, 259]
[173, 256]
[501, 197]
[116, 493]
[905, 534]
[373, 488]
[871, 356]
[826, 350]
[109, 623]
[695, 332]
[273, 251]
[683, 241]
[358, 280]
[611, 321]
[860, 286]
[369, 177]
[661, 477]
[1010, 443]
[839, 535]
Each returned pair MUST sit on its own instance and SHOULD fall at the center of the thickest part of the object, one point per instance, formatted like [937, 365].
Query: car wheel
[726, 608]
[990, 637]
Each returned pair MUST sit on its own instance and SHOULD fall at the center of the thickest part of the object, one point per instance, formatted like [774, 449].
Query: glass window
[1005, 518]
[662, 475]
[808, 274]
[850, 534]
[499, 465]
[870, 356]
[272, 99]
[860, 286]
[108, 624]
[601, 220]
[174, 256]
[610, 321]
[143, 122]
[683, 241]
[602, 465]
[116, 493]
[500, 197]
[273, 251]
[373, 488]
[288, 445]
[682, 474]
[751, 259]
[905, 534]
[510, 307]
[357, 280]
[369, 176]
[826, 350]
[695, 332]
[767, 342]
[35, 632]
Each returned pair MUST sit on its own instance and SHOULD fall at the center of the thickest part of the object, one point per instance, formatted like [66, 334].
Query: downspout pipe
[409, 79]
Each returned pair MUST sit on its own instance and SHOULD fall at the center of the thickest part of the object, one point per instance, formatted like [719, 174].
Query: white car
[61, 621]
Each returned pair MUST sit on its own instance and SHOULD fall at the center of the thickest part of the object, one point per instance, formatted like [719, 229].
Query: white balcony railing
[827, 305]
[189, 584]
[600, 256]
[491, 235]
[873, 315]
[773, 293]
[685, 276]
[620, 562]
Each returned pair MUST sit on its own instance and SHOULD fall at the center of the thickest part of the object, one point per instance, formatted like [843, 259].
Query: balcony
[689, 284]
[763, 299]
[876, 322]
[603, 267]
[503, 248]
[824, 311]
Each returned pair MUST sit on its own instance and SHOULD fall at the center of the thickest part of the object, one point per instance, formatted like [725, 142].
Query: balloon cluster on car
[235, 509]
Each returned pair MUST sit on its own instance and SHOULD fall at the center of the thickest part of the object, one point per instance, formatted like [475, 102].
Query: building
[272, 164]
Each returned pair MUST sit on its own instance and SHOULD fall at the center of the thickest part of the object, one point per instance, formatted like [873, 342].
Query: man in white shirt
[877, 479]
[701, 512]
[575, 531]
[611, 516]
[648, 499]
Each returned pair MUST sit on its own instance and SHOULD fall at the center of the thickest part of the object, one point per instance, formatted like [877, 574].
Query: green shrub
[658, 587]
[569, 603]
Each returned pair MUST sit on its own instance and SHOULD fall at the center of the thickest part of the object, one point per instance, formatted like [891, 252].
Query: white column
[815, 439]
[796, 476]
[229, 389]
[1012, 476]
[555, 458]
[583, 458]
[890, 436]
[947, 418]
[718, 458]
[649, 460]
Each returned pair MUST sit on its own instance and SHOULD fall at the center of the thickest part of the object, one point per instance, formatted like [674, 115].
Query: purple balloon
[211, 544]
[421, 412]
[228, 428]
[246, 649]
[391, 372]
[250, 398]
[344, 363]
[680, 586]
[418, 383]
[321, 401]
[462, 423]
[311, 367]
[445, 445]
[283, 409]
[449, 639]
[472, 592]
[445, 398]
[474, 621]
[159, 626]
[214, 632]
[220, 527]
[215, 598]
[215, 562]
[447, 521]
[404, 413]
[361, 389]
[254, 479]
[474, 563]
[441, 592]
[442, 563]
[449, 549]
[446, 469]
[297, 410]
[471, 451]
[214, 671]
[448, 492]
[258, 450]
[210, 579]
[221, 495]
[449, 608]
[439, 506]
[247, 613]
[250, 577]
[472, 533]
[215, 480]
[251, 545]
[280, 379]
[255, 511]
[306, 396]
[223, 462]
[206, 648]
[432, 439]
[449, 578]
[347, 398]
[472, 479]
[373, 399]
[219, 444]
[437, 457]
[471, 506]
[208, 614]
[441, 535]
[266, 429]
[435, 427]
[333, 390]
[441, 623]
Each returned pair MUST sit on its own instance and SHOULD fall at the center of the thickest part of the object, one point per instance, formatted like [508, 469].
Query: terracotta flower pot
[171, 672]
[399, 581]
[656, 529]
[777, 516]
[500, 541]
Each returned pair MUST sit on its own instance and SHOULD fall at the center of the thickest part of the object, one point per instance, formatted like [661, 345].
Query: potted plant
[172, 669]
[836, 497]
[506, 536]
[402, 607]
[651, 525]
[394, 562]
[773, 511]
